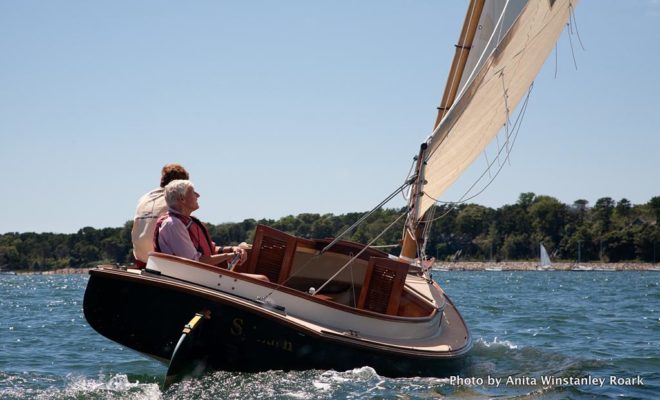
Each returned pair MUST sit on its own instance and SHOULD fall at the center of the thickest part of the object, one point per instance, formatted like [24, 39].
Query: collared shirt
[174, 237]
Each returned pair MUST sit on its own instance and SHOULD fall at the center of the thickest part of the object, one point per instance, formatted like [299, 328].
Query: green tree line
[608, 231]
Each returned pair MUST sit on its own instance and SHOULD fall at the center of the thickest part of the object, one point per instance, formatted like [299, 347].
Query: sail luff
[498, 83]
[497, 17]
[413, 231]
[463, 48]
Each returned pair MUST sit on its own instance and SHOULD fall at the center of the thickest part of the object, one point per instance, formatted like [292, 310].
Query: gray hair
[176, 190]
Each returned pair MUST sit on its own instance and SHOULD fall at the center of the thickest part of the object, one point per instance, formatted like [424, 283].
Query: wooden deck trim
[297, 293]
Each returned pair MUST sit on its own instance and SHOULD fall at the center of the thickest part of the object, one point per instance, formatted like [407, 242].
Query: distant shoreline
[463, 266]
[60, 271]
[534, 266]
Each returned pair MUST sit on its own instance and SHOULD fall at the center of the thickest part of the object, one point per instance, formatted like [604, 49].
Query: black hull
[147, 314]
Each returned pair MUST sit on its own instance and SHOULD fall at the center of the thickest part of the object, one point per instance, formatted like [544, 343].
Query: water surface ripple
[540, 335]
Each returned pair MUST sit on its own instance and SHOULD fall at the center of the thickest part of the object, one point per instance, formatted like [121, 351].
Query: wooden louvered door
[272, 254]
[383, 285]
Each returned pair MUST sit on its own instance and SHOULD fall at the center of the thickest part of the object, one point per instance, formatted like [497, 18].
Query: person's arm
[216, 259]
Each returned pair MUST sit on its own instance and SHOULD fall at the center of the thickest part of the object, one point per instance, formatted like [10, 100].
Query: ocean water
[538, 335]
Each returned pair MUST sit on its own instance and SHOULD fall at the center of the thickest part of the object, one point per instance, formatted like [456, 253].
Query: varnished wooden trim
[302, 295]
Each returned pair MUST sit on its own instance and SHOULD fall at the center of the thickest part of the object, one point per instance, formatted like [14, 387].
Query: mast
[414, 228]
[460, 57]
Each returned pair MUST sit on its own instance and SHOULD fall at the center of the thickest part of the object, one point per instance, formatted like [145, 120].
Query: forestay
[514, 39]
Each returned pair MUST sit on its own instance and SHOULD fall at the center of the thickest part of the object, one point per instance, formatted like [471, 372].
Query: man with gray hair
[180, 234]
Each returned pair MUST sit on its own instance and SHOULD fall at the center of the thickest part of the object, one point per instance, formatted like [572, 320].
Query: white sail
[545, 258]
[520, 40]
[495, 21]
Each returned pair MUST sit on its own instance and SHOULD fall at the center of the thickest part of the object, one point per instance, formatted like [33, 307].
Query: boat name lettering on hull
[283, 344]
[236, 329]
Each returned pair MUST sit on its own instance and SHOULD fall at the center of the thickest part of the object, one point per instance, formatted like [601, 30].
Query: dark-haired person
[150, 207]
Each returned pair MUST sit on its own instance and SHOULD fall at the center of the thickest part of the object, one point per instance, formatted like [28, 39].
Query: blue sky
[286, 107]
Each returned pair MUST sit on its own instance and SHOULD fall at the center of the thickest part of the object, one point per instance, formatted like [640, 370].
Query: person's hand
[242, 252]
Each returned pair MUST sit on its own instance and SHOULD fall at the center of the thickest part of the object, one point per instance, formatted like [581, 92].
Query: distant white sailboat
[545, 264]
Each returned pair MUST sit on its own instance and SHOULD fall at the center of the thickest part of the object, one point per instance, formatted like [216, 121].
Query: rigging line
[426, 233]
[497, 26]
[455, 73]
[501, 27]
[516, 129]
[497, 137]
[353, 287]
[360, 253]
[419, 252]
[408, 176]
[475, 70]
[451, 207]
[507, 110]
[364, 217]
[507, 120]
[556, 60]
[570, 41]
[488, 162]
[463, 200]
[574, 23]
[326, 248]
[411, 230]
[506, 142]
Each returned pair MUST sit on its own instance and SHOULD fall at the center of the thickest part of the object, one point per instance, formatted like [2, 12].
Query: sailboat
[331, 303]
[544, 262]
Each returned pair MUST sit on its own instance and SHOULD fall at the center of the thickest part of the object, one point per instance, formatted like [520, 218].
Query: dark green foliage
[609, 231]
